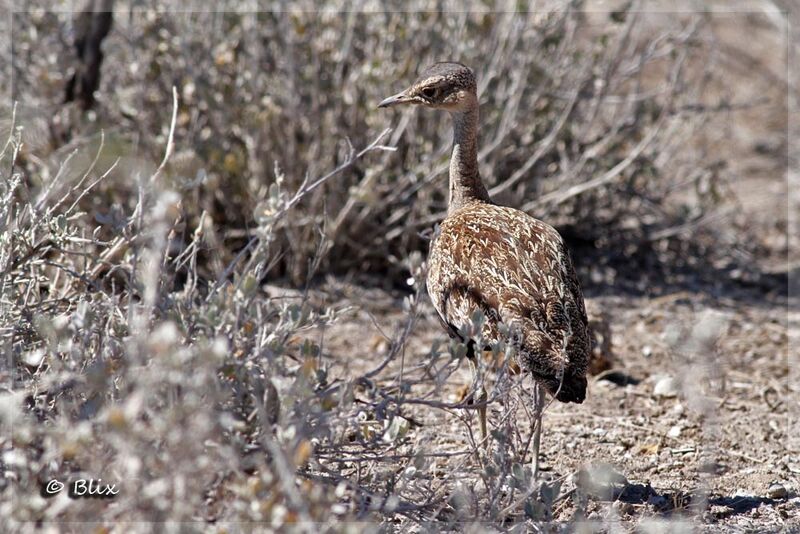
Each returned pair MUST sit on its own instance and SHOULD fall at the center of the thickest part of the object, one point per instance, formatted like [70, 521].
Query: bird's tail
[571, 389]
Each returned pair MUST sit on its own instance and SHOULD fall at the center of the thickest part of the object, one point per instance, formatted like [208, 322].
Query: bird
[511, 267]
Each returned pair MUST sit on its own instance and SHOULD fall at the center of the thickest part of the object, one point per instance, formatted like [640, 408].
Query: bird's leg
[538, 406]
[479, 396]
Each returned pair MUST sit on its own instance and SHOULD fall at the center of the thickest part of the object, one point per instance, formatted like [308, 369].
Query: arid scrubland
[212, 283]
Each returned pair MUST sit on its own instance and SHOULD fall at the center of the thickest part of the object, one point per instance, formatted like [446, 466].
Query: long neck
[465, 180]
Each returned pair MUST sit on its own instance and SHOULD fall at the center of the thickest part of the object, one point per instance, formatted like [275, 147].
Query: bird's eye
[430, 92]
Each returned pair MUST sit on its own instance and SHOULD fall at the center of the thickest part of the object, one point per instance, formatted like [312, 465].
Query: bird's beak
[399, 98]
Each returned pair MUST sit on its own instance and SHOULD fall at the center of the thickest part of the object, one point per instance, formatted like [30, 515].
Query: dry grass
[592, 131]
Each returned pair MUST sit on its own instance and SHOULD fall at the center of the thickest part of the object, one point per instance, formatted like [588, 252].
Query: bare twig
[170, 138]
[305, 188]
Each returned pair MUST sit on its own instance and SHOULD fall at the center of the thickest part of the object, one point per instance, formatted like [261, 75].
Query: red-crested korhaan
[514, 268]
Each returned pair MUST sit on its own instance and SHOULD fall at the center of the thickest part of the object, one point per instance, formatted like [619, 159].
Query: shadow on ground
[667, 502]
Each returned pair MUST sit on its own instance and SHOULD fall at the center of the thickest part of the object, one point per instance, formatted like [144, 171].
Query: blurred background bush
[614, 126]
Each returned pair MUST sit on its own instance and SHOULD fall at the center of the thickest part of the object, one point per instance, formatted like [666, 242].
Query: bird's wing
[517, 270]
[557, 345]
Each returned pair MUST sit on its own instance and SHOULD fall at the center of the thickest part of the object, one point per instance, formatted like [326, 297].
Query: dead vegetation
[212, 294]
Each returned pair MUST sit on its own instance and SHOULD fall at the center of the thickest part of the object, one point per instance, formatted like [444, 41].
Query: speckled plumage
[517, 270]
[513, 267]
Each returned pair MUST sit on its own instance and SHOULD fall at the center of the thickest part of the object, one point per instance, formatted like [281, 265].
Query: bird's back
[517, 270]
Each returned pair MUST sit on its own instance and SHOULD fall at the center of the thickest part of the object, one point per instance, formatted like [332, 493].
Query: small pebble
[33, 358]
[777, 491]
[720, 512]
[600, 480]
[674, 432]
[666, 387]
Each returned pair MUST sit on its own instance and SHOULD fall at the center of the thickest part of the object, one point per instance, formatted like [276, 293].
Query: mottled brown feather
[517, 270]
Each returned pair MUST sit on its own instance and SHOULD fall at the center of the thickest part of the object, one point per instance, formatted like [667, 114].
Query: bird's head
[447, 86]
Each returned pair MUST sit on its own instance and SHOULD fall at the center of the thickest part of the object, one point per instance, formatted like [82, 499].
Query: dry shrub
[142, 346]
[588, 121]
[214, 405]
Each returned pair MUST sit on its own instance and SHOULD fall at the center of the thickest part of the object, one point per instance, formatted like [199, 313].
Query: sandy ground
[691, 422]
